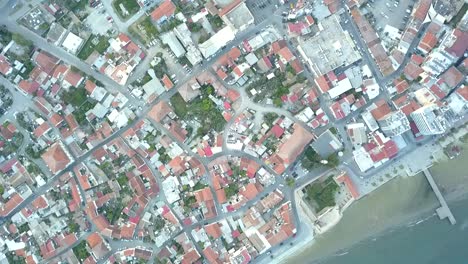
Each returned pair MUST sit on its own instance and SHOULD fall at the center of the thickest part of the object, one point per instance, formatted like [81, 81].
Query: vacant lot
[125, 8]
[94, 43]
[144, 29]
[180, 106]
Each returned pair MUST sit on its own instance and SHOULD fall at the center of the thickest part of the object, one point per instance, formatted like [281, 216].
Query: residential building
[429, 120]
[163, 12]
[394, 123]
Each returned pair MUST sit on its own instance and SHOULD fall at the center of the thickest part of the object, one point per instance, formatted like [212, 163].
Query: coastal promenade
[443, 211]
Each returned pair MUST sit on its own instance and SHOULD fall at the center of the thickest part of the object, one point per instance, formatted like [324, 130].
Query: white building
[394, 124]
[239, 17]
[183, 34]
[217, 41]
[72, 43]
[340, 88]
[171, 40]
[429, 120]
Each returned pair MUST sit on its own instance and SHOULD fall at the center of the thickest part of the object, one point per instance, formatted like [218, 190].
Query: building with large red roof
[164, 11]
[56, 158]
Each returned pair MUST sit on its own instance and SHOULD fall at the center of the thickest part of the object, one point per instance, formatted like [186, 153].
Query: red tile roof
[286, 54]
[4, 65]
[190, 257]
[40, 203]
[401, 85]
[412, 71]
[221, 196]
[167, 82]
[463, 92]
[165, 10]
[310, 20]
[59, 71]
[213, 230]
[71, 121]
[277, 131]
[452, 77]
[231, 6]
[159, 111]
[460, 45]
[349, 185]
[422, 9]
[322, 83]
[56, 119]
[14, 201]
[233, 95]
[297, 66]
[28, 87]
[46, 61]
[428, 42]
[55, 158]
[418, 59]
[221, 74]
[381, 111]
[410, 107]
[435, 89]
[290, 149]
[249, 191]
[90, 86]
[229, 58]
[203, 195]
[94, 239]
[73, 78]
[41, 130]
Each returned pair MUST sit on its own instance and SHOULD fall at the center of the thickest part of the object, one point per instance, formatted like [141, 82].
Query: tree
[32, 153]
[159, 223]
[206, 104]
[73, 227]
[333, 160]
[290, 181]
[80, 251]
[277, 102]
[20, 40]
[195, 27]
[270, 117]
[231, 189]
[322, 193]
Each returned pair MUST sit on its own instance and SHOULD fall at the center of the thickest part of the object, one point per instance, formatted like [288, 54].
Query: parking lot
[262, 9]
[98, 21]
[394, 13]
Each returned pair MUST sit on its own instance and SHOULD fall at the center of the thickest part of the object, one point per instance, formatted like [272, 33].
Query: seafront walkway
[443, 211]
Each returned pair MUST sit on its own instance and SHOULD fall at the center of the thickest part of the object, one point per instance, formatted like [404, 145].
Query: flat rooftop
[330, 48]
[240, 16]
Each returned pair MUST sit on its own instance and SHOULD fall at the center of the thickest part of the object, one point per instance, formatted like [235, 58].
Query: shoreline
[452, 194]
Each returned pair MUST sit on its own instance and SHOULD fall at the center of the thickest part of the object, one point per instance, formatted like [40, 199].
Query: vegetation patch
[322, 194]
[125, 8]
[94, 43]
[75, 96]
[272, 89]
[179, 105]
[80, 251]
[144, 30]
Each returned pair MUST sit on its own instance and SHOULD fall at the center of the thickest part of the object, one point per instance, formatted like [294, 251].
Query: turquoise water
[397, 224]
[430, 241]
